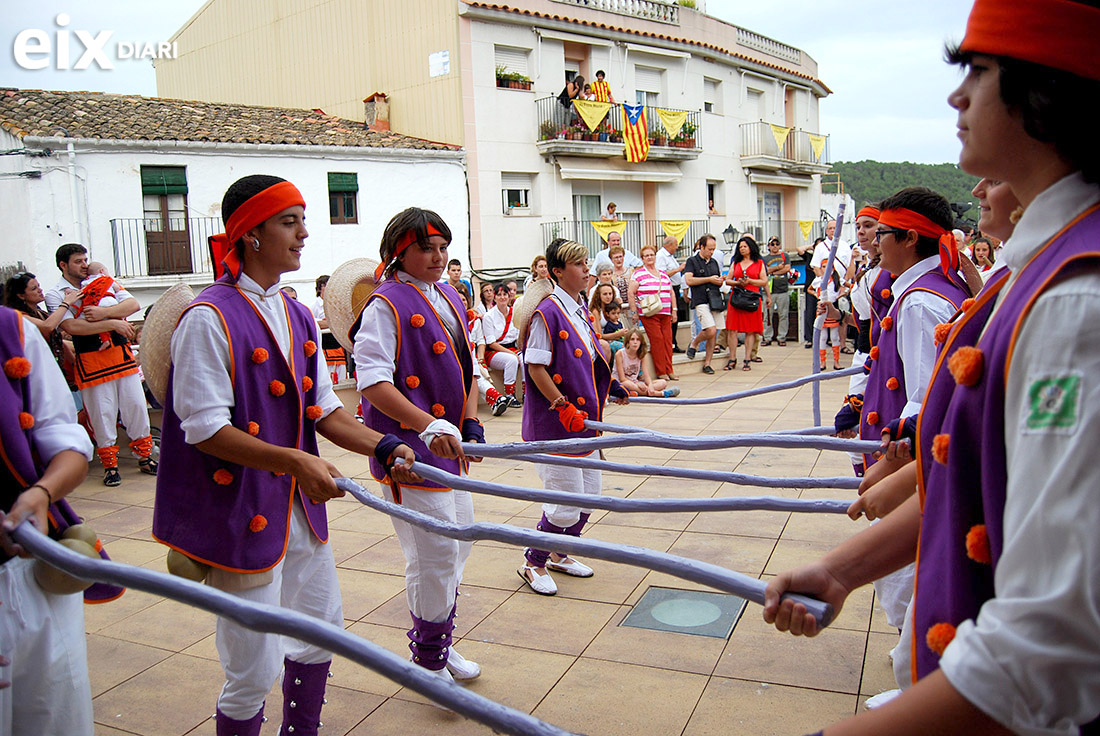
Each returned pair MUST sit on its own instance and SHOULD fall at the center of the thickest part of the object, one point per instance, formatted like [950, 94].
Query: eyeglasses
[892, 231]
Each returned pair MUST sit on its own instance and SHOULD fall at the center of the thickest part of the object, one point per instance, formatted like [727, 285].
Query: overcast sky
[883, 60]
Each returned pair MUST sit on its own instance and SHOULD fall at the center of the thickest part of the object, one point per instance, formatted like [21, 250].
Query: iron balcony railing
[143, 246]
[758, 139]
[635, 234]
[557, 122]
[662, 11]
[789, 232]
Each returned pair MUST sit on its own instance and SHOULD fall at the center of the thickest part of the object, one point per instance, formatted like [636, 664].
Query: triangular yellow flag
[673, 120]
[676, 228]
[606, 227]
[780, 134]
[592, 113]
[805, 226]
[817, 143]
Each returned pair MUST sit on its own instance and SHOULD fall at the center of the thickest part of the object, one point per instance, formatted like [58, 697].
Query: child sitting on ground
[628, 368]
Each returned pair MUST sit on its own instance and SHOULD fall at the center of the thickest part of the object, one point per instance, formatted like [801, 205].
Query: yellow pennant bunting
[817, 143]
[805, 226]
[676, 228]
[606, 227]
[673, 120]
[780, 134]
[591, 112]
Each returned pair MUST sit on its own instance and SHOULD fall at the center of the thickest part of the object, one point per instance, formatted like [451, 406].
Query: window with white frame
[515, 191]
[754, 103]
[714, 197]
[511, 60]
[711, 99]
[647, 85]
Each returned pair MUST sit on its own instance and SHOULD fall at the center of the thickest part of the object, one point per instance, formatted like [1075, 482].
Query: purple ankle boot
[303, 696]
[430, 642]
[226, 726]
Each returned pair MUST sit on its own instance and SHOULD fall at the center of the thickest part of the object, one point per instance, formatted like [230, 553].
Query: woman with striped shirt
[651, 281]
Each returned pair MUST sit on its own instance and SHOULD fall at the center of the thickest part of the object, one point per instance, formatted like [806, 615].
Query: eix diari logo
[34, 48]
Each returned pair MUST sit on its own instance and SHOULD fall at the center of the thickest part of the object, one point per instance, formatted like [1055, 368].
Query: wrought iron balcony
[635, 234]
[761, 150]
[561, 131]
[156, 246]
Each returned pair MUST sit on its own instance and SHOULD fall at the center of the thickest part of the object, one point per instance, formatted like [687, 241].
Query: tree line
[871, 181]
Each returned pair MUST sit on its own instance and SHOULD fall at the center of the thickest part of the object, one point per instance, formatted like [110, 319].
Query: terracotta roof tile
[34, 112]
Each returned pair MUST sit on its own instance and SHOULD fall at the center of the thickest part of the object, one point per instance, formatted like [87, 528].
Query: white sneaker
[877, 701]
[460, 667]
[570, 567]
[541, 584]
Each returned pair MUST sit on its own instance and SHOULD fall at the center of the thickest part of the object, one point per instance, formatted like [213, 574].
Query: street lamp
[730, 235]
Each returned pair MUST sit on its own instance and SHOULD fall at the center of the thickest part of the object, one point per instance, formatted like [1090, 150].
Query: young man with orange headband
[242, 488]
[1006, 612]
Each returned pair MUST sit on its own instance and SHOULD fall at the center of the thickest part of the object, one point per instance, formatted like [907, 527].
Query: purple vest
[583, 381]
[886, 394]
[880, 305]
[228, 515]
[19, 468]
[433, 372]
[955, 568]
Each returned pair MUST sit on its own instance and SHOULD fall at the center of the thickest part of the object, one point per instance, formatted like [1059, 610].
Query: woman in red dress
[749, 273]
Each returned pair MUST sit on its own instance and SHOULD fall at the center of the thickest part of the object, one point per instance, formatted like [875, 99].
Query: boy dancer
[501, 337]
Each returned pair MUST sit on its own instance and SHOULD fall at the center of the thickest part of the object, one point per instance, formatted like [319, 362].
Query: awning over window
[577, 167]
[343, 182]
[163, 180]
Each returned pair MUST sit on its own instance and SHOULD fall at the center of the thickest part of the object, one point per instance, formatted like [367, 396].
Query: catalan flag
[635, 133]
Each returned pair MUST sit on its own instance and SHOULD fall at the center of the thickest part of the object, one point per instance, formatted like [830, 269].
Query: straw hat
[155, 355]
[523, 309]
[346, 293]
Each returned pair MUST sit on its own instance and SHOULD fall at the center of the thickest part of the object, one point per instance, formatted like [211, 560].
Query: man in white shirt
[666, 261]
[630, 260]
[72, 261]
[501, 338]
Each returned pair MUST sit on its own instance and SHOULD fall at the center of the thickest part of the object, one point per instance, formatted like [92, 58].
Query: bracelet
[44, 489]
[558, 402]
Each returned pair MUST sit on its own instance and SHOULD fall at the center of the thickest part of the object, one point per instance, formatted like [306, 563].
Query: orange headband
[868, 211]
[1059, 34]
[253, 211]
[403, 244]
[906, 219]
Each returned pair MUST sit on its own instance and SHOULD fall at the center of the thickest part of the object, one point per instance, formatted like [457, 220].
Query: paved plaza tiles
[566, 659]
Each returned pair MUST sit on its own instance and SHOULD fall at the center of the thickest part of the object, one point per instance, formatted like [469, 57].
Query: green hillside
[871, 181]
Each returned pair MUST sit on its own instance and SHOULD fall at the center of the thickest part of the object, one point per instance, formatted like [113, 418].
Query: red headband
[252, 212]
[403, 244]
[868, 211]
[906, 219]
[1060, 34]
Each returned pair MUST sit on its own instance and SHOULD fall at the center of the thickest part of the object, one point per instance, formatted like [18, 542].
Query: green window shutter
[343, 182]
[163, 180]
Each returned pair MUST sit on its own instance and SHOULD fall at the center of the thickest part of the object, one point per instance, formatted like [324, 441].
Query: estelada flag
[635, 133]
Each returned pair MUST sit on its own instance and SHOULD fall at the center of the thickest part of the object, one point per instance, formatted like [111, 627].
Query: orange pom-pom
[16, 368]
[874, 353]
[967, 304]
[253, 428]
[405, 426]
[892, 383]
[310, 348]
[223, 477]
[580, 401]
[578, 352]
[438, 410]
[872, 418]
[966, 365]
[259, 355]
[940, 444]
[887, 322]
[886, 294]
[257, 524]
[977, 545]
[307, 383]
[556, 378]
[277, 388]
[939, 636]
[412, 381]
[417, 320]
[941, 332]
[26, 420]
[471, 315]
[563, 335]
[439, 347]
[314, 412]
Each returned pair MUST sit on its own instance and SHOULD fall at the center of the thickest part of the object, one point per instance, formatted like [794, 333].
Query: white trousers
[105, 401]
[43, 636]
[894, 591]
[483, 382]
[508, 363]
[574, 480]
[433, 564]
[305, 581]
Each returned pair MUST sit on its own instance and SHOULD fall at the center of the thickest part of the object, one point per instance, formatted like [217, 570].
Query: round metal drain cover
[685, 612]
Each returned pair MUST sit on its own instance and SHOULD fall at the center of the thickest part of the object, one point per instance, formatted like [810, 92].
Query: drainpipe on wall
[78, 229]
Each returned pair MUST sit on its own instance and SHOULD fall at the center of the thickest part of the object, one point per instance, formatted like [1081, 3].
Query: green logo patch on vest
[1053, 402]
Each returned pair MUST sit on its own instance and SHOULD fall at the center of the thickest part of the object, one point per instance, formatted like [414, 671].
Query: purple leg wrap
[538, 557]
[430, 642]
[303, 696]
[858, 467]
[226, 726]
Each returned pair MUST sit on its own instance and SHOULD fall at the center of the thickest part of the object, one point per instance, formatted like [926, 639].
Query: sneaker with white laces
[671, 392]
[460, 667]
[569, 566]
[541, 584]
[500, 405]
[514, 402]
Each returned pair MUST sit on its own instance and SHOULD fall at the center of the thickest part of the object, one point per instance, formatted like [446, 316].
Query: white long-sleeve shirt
[55, 428]
[539, 350]
[1031, 660]
[202, 391]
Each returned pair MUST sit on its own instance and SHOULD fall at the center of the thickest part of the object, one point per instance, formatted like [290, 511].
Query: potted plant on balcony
[687, 133]
[660, 139]
[547, 130]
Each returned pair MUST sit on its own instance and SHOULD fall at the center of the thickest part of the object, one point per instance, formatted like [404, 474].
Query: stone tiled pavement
[154, 668]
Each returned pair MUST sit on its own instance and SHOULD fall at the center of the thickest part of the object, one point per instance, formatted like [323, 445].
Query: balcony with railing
[635, 234]
[661, 11]
[163, 247]
[561, 131]
[789, 232]
[760, 149]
